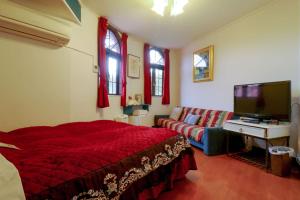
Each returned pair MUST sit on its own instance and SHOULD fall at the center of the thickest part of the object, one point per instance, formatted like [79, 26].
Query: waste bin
[281, 160]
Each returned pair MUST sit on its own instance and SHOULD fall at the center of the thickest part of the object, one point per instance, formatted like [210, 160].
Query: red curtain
[166, 85]
[147, 75]
[102, 101]
[123, 67]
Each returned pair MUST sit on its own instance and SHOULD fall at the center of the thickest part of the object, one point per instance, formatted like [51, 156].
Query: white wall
[45, 85]
[260, 47]
[298, 150]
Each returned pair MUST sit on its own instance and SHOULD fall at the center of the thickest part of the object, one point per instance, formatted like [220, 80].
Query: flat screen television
[264, 100]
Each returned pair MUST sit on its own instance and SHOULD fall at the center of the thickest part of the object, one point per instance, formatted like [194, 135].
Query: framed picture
[134, 63]
[138, 98]
[203, 64]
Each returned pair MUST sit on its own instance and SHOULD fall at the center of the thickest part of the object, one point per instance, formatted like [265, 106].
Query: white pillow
[10, 146]
[192, 119]
[10, 181]
[176, 113]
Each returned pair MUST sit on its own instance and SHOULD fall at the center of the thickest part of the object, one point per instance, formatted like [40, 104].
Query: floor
[224, 178]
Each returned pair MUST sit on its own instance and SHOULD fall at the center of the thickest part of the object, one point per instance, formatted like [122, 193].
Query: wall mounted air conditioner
[21, 28]
[43, 20]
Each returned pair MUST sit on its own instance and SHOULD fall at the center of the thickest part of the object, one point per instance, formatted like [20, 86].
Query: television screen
[263, 100]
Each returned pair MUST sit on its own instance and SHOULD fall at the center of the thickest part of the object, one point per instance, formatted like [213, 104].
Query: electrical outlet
[95, 68]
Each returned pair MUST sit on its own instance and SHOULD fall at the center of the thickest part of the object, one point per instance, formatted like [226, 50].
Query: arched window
[113, 61]
[157, 70]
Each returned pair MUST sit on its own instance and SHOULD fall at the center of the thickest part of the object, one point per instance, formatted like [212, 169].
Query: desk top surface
[260, 125]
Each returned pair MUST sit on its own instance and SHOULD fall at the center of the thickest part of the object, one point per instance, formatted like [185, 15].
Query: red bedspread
[50, 156]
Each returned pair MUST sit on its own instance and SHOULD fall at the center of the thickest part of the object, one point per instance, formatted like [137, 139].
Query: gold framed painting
[203, 64]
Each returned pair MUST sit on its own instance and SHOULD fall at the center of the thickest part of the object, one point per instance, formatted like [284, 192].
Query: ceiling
[136, 18]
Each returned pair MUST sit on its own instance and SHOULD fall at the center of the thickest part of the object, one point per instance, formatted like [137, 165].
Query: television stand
[266, 132]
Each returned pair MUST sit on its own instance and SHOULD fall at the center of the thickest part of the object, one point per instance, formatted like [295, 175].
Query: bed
[97, 160]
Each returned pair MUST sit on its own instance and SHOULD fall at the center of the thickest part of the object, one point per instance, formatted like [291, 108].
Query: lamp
[176, 6]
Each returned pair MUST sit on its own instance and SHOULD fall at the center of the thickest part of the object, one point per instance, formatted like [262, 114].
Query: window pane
[111, 42]
[112, 71]
[156, 57]
[160, 73]
[114, 88]
[110, 88]
[157, 81]
[160, 82]
[112, 46]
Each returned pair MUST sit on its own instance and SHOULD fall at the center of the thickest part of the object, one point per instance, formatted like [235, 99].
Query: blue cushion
[192, 119]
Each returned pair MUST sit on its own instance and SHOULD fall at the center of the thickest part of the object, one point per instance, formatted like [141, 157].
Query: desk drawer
[249, 130]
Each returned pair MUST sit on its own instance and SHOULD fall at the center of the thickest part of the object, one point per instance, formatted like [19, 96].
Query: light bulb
[177, 7]
[159, 6]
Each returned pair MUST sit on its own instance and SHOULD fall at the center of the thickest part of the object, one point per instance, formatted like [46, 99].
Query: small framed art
[134, 64]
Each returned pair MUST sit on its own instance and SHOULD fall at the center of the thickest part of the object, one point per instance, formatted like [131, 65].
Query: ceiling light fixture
[159, 6]
[176, 6]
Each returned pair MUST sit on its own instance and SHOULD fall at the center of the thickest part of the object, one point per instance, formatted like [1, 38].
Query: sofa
[207, 133]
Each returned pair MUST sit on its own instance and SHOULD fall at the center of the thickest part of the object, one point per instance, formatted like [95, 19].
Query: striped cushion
[223, 116]
[184, 113]
[169, 123]
[196, 111]
[176, 113]
[193, 132]
[174, 125]
[228, 116]
[160, 121]
[187, 130]
[163, 122]
[204, 118]
[197, 134]
[180, 127]
[213, 118]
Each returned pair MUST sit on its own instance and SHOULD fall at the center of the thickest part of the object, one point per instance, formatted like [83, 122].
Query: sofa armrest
[214, 141]
[157, 117]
